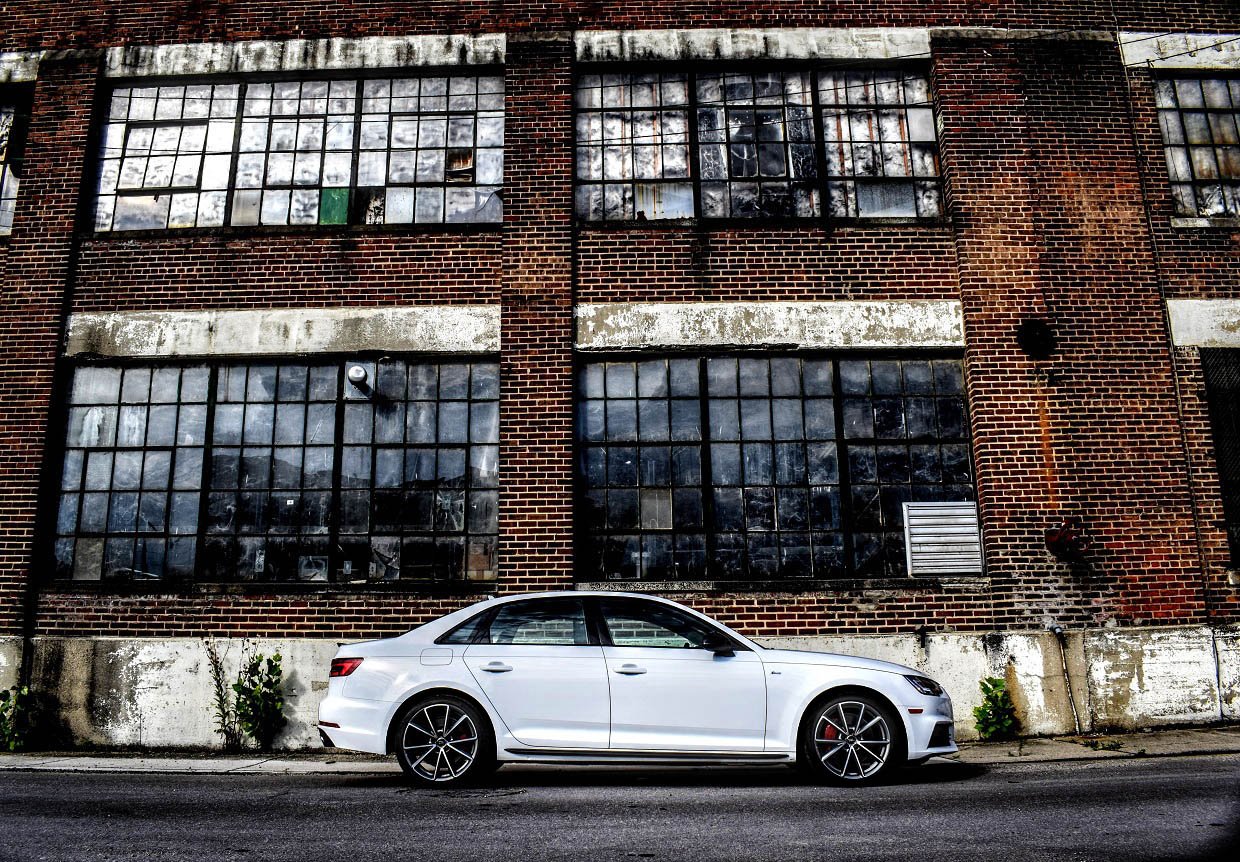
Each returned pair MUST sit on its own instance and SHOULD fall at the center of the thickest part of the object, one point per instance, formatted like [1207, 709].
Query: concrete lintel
[809, 325]
[17, 67]
[1205, 322]
[414, 329]
[775, 43]
[1181, 50]
[1016, 34]
[305, 55]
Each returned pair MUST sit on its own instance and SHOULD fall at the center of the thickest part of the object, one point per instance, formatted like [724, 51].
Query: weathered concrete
[305, 55]
[157, 691]
[423, 328]
[1180, 50]
[800, 325]
[19, 66]
[1205, 322]
[775, 43]
[10, 661]
[1227, 653]
[1144, 677]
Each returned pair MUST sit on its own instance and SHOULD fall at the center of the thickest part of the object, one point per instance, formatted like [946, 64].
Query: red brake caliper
[830, 733]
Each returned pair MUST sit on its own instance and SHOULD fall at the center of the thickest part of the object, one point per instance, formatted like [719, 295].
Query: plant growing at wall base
[226, 723]
[259, 699]
[995, 719]
[14, 706]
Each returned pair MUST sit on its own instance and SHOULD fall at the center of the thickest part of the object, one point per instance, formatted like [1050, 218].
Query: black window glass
[1222, 378]
[783, 466]
[541, 622]
[636, 623]
[281, 472]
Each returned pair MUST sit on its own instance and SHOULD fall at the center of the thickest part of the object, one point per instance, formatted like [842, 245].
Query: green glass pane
[334, 206]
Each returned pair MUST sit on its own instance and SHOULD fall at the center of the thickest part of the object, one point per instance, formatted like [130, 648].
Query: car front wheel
[851, 739]
[443, 741]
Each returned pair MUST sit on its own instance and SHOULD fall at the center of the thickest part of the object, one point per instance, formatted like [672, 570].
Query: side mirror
[718, 644]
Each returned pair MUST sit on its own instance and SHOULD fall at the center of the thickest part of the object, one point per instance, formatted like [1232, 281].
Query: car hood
[797, 656]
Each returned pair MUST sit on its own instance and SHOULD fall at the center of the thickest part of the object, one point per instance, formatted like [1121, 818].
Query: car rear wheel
[851, 739]
[443, 741]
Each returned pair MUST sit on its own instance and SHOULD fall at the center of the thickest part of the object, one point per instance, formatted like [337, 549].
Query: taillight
[344, 666]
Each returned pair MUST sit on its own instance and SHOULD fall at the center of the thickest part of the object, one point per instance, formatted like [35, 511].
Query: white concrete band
[778, 43]
[411, 329]
[1181, 50]
[809, 325]
[305, 55]
[17, 67]
[1204, 322]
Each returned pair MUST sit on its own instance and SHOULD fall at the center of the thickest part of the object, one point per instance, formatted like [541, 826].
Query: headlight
[925, 685]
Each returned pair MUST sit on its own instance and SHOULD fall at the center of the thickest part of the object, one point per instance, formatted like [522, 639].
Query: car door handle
[630, 669]
[496, 667]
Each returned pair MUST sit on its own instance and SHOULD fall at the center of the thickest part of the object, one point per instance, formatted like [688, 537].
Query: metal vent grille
[942, 539]
[1222, 373]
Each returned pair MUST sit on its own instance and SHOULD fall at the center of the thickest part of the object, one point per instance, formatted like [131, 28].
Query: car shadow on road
[515, 778]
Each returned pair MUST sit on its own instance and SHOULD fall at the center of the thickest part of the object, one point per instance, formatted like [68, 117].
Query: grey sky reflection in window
[375, 151]
[762, 467]
[1200, 121]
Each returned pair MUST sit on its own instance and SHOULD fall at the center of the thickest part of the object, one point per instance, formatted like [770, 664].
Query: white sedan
[605, 677]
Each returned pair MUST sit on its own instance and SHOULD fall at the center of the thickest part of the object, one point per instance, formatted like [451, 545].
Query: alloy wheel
[440, 742]
[852, 739]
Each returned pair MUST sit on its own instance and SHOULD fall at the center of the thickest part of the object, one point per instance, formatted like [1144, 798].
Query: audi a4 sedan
[606, 677]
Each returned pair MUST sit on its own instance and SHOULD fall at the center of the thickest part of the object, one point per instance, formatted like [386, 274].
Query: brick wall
[1046, 220]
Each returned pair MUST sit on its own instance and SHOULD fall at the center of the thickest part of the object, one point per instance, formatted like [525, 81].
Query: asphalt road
[1157, 808]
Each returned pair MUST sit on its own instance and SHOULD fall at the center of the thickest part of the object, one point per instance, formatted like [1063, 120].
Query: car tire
[443, 741]
[851, 739]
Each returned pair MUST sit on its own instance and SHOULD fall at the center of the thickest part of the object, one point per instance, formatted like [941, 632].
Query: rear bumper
[355, 725]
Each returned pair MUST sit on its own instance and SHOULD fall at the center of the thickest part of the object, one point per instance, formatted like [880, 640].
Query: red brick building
[911, 329]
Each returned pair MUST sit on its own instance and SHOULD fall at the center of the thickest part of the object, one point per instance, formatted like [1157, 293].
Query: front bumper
[931, 727]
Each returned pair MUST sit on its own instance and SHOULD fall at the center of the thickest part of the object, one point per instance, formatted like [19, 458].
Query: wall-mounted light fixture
[1036, 337]
[358, 377]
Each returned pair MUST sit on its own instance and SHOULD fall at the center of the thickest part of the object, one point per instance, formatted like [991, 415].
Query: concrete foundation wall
[10, 660]
[158, 692]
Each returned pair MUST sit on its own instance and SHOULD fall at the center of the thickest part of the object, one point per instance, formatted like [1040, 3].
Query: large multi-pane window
[398, 150]
[10, 162]
[1199, 117]
[757, 144]
[758, 468]
[281, 472]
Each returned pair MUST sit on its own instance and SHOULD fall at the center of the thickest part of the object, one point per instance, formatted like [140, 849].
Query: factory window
[411, 150]
[759, 468]
[769, 144]
[1222, 379]
[281, 472]
[11, 140]
[1199, 117]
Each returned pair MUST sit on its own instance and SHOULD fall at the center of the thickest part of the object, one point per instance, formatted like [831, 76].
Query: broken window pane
[1203, 113]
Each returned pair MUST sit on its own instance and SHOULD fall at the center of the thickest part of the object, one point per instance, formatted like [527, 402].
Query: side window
[464, 633]
[544, 622]
[647, 624]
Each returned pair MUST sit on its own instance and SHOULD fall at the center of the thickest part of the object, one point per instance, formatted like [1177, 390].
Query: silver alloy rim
[852, 740]
[440, 742]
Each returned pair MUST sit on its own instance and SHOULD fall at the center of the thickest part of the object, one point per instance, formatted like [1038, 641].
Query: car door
[668, 693]
[548, 682]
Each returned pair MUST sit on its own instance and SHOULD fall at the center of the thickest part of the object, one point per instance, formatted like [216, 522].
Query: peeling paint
[298, 55]
[1205, 322]
[810, 325]
[426, 328]
[1181, 50]
[1151, 677]
[19, 66]
[779, 43]
[10, 661]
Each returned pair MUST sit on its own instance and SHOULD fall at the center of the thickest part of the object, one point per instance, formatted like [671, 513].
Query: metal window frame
[1173, 76]
[692, 69]
[197, 582]
[583, 537]
[352, 221]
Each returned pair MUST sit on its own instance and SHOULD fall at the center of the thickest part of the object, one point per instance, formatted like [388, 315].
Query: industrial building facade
[906, 330]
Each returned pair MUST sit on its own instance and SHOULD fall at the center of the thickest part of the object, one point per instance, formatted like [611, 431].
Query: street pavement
[1116, 805]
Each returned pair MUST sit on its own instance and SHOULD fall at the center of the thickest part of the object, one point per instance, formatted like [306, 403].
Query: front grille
[942, 735]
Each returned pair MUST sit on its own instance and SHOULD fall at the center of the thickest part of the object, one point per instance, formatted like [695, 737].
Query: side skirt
[625, 755]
